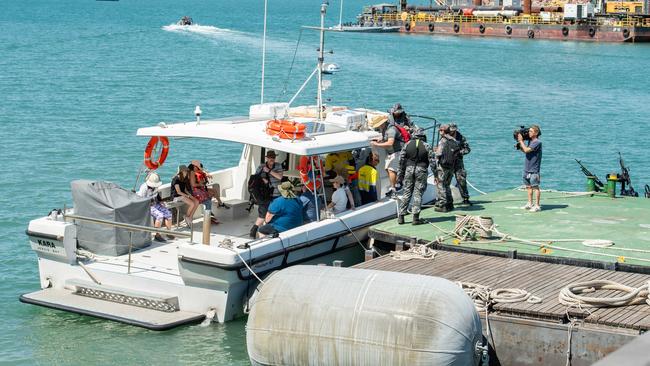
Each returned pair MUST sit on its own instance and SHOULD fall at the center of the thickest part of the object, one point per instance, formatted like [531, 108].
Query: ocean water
[77, 78]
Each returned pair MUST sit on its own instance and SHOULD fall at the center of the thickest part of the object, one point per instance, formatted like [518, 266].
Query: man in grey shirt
[392, 142]
[532, 165]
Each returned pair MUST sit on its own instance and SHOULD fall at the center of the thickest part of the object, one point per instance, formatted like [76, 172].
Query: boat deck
[565, 222]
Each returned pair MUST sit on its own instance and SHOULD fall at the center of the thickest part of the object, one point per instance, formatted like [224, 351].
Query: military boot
[400, 219]
[416, 219]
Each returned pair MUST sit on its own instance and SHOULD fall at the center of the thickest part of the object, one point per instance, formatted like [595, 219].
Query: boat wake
[226, 35]
[206, 30]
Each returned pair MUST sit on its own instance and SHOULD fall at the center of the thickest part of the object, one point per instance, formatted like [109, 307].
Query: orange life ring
[285, 129]
[305, 169]
[153, 142]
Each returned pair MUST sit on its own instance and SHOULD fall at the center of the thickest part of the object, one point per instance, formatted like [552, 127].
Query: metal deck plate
[62, 299]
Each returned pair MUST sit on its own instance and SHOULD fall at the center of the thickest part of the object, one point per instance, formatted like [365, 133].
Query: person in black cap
[459, 170]
[398, 116]
[271, 172]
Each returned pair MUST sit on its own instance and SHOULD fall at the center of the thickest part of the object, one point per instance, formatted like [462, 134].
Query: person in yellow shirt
[339, 163]
[368, 179]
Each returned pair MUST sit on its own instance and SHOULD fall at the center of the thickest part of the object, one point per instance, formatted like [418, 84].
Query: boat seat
[237, 209]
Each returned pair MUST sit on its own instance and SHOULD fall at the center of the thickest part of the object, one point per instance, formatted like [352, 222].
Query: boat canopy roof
[326, 138]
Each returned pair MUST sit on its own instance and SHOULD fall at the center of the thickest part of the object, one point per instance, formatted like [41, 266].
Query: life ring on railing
[481, 28]
[285, 129]
[531, 34]
[456, 28]
[592, 32]
[431, 27]
[407, 26]
[626, 32]
[508, 30]
[151, 145]
[565, 31]
[305, 169]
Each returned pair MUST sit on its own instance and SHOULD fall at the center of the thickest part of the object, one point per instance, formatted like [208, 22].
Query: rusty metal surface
[633, 353]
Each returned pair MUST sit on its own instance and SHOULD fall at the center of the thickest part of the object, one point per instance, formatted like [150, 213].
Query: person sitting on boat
[182, 191]
[284, 213]
[532, 165]
[199, 184]
[339, 197]
[368, 179]
[338, 162]
[309, 205]
[158, 211]
[272, 174]
[398, 116]
[392, 141]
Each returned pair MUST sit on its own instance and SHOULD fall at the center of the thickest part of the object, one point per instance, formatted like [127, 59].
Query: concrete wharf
[525, 333]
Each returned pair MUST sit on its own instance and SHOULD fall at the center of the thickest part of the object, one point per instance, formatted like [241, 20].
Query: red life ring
[305, 169]
[153, 143]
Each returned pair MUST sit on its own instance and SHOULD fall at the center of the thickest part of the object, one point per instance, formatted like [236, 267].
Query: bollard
[369, 255]
[337, 263]
[591, 184]
[611, 185]
[206, 227]
[399, 245]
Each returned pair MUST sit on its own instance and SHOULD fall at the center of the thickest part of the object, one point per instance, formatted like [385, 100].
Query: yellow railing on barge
[404, 18]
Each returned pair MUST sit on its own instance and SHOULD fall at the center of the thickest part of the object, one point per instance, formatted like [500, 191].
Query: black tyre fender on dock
[592, 32]
[531, 34]
[481, 28]
[456, 27]
[565, 31]
[431, 27]
[407, 26]
[626, 32]
[508, 30]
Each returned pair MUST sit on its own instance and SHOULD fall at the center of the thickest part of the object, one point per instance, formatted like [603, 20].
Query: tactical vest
[417, 154]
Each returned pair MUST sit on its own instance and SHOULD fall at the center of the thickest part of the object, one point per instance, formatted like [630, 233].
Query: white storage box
[347, 119]
[268, 110]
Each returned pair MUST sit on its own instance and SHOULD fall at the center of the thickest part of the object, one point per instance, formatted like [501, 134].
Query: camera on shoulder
[523, 131]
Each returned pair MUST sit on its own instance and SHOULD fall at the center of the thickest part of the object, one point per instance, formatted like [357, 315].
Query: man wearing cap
[398, 116]
[414, 161]
[158, 210]
[271, 172]
[284, 213]
[459, 170]
[392, 142]
[446, 157]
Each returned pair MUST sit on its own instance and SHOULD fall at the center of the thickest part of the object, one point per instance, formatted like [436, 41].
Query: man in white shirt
[339, 197]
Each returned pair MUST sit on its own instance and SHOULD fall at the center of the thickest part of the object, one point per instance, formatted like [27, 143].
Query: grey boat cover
[108, 201]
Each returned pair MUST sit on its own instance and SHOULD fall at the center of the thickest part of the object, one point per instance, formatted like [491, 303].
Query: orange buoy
[285, 129]
[154, 141]
[305, 169]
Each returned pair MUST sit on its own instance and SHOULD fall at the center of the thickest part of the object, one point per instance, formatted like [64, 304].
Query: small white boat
[331, 68]
[208, 271]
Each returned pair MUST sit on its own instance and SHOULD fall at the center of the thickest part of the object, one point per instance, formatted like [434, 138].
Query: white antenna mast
[341, 16]
[263, 52]
[321, 56]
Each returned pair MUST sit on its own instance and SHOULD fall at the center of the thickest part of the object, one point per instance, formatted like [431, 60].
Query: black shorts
[268, 229]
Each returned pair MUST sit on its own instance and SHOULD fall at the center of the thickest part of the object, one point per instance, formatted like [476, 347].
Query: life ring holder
[481, 28]
[508, 30]
[456, 27]
[531, 34]
[305, 169]
[152, 145]
[431, 27]
[565, 31]
[592, 32]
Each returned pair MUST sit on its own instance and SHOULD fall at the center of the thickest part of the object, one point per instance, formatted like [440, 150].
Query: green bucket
[611, 185]
[591, 184]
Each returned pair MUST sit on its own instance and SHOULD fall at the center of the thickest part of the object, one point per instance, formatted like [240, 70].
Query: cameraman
[532, 164]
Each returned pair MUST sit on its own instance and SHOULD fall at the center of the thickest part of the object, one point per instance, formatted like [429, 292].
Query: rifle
[647, 191]
[624, 178]
[586, 172]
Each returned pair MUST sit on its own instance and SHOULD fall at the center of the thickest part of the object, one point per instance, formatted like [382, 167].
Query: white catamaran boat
[207, 270]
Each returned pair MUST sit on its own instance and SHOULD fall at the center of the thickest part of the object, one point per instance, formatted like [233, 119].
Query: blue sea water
[77, 78]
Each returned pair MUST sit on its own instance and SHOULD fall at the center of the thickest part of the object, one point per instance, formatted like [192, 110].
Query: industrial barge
[602, 22]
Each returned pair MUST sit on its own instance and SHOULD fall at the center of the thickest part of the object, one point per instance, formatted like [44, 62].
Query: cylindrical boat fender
[307, 315]
[626, 32]
[508, 30]
[407, 26]
[431, 27]
[565, 31]
[481, 28]
[531, 34]
[468, 12]
[592, 32]
[456, 27]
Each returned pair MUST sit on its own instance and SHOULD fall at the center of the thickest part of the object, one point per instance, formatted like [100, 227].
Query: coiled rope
[484, 297]
[572, 294]
[417, 251]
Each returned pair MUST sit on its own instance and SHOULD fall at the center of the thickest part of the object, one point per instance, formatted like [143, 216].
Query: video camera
[523, 130]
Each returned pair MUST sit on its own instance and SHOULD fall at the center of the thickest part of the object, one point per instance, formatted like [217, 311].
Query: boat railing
[402, 18]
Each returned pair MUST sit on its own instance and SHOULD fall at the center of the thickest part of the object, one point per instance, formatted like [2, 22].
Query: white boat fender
[209, 316]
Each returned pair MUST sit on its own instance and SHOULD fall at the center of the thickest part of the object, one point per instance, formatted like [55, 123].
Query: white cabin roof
[243, 130]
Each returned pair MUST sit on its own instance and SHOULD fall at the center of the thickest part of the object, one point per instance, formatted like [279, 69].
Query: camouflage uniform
[443, 175]
[459, 170]
[414, 174]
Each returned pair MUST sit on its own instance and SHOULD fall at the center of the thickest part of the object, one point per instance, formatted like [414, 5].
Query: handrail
[126, 226]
